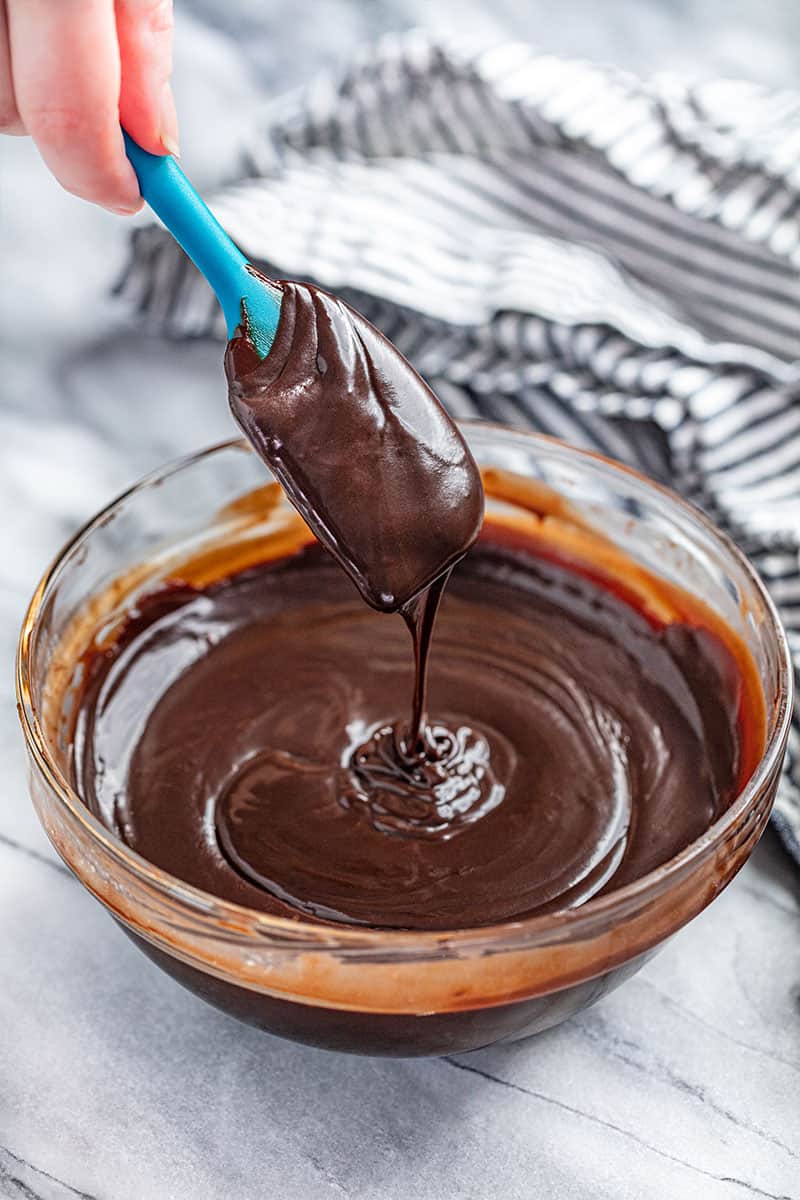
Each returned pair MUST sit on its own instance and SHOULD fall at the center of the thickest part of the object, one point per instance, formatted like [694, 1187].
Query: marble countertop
[117, 1085]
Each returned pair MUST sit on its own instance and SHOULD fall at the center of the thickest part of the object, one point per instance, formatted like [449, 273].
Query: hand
[71, 71]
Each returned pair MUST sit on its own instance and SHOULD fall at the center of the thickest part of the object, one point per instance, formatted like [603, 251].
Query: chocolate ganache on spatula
[363, 448]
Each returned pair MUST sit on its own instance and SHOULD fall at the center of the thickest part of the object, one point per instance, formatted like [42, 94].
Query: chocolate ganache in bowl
[229, 748]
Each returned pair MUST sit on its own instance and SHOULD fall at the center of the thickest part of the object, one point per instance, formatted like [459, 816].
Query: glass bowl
[355, 989]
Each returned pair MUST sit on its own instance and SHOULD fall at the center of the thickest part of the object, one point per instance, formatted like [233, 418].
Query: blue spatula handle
[170, 194]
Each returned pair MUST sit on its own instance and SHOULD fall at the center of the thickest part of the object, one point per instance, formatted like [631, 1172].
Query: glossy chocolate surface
[234, 735]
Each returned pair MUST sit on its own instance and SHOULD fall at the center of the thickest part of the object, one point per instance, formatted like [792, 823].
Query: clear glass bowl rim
[588, 920]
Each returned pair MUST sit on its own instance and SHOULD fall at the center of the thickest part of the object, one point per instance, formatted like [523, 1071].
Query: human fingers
[66, 73]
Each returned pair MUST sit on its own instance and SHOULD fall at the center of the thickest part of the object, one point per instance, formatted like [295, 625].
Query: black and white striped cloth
[553, 244]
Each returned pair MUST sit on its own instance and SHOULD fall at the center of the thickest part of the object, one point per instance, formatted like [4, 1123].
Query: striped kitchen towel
[558, 245]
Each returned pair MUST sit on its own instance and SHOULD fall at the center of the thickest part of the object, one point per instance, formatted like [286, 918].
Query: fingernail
[168, 132]
[127, 210]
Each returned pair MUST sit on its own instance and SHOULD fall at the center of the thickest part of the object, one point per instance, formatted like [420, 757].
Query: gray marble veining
[115, 1084]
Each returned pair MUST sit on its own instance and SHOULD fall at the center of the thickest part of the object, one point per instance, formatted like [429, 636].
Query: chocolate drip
[385, 480]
